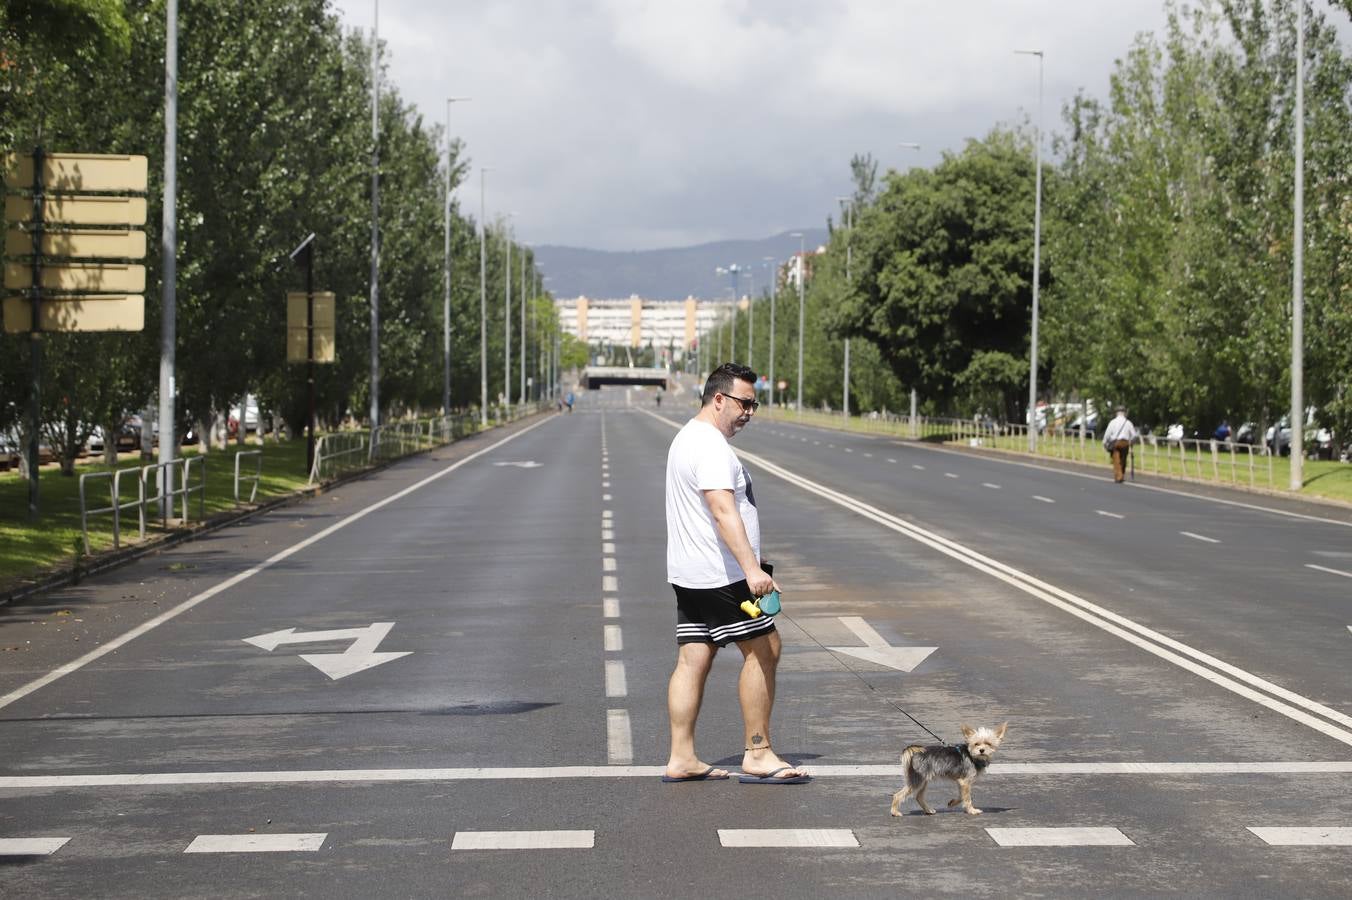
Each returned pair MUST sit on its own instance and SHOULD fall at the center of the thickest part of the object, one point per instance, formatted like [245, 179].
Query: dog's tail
[907, 754]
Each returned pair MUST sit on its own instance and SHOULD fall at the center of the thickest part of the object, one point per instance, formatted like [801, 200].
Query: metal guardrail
[337, 452]
[166, 497]
[1224, 462]
[256, 477]
[115, 504]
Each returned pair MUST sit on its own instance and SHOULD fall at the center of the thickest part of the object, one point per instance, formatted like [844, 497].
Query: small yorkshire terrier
[963, 763]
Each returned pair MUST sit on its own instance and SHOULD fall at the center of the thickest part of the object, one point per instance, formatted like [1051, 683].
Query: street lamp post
[522, 282]
[802, 276]
[911, 145]
[507, 318]
[849, 229]
[1037, 268]
[750, 315]
[773, 263]
[375, 225]
[483, 304]
[733, 271]
[446, 274]
[1298, 274]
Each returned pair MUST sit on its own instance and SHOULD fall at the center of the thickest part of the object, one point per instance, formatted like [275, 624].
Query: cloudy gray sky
[635, 124]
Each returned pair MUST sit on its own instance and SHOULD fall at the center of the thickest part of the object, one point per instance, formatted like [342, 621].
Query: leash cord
[865, 681]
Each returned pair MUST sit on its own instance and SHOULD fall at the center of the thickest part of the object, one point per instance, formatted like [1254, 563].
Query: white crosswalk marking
[256, 843]
[523, 840]
[1308, 836]
[43, 846]
[787, 837]
[1059, 837]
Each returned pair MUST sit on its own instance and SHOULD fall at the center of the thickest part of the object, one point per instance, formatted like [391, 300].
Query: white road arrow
[523, 464]
[360, 655]
[877, 650]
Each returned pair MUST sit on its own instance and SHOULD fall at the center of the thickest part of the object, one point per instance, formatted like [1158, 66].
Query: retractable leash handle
[767, 605]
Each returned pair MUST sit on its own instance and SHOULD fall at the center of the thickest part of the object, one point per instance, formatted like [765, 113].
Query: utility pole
[168, 248]
[1298, 275]
[849, 235]
[507, 320]
[522, 395]
[802, 276]
[1037, 268]
[446, 299]
[375, 226]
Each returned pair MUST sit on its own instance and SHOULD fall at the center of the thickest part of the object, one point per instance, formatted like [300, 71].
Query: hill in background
[670, 274]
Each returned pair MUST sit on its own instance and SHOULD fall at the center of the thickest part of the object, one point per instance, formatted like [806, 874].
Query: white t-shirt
[701, 460]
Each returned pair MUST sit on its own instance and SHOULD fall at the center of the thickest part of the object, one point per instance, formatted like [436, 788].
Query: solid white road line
[1199, 537]
[1111, 515]
[1308, 836]
[1288, 769]
[610, 584]
[44, 846]
[1059, 837]
[616, 686]
[1236, 680]
[787, 837]
[1330, 571]
[523, 840]
[120, 641]
[619, 738]
[611, 607]
[1043, 499]
[614, 639]
[256, 843]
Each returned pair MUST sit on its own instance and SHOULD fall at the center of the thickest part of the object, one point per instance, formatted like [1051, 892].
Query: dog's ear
[1000, 732]
[967, 731]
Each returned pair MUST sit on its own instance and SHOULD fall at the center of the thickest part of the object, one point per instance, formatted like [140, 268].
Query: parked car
[1280, 444]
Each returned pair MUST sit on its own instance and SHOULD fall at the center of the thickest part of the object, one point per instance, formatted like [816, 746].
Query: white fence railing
[150, 489]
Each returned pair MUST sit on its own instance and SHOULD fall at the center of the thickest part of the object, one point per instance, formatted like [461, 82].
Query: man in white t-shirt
[714, 564]
[1117, 440]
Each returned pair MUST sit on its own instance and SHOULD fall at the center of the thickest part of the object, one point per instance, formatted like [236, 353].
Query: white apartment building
[636, 322]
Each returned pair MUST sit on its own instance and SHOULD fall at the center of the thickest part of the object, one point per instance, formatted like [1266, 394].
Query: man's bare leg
[756, 690]
[685, 693]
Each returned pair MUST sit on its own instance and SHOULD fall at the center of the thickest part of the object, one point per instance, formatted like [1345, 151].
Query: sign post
[67, 295]
[309, 315]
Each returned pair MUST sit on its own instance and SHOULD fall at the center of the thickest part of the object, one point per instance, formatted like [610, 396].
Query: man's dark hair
[721, 379]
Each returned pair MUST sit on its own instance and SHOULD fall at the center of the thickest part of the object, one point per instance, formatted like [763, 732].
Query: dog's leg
[965, 789]
[898, 798]
[920, 798]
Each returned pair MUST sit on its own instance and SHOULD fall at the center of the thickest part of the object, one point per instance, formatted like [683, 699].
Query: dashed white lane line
[614, 639]
[1199, 537]
[607, 514]
[816, 443]
[607, 564]
[607, 497]
[1059, 837]
[1111, 515]
[868, 456]
[1042, 499]
[619, 738]
[523, 840]
[610, 584]
[44, 846]
[605, 484]
[256, 843]
[787, 837]
[950, 475]
[994, 487]
[918, 468]
[607, 534]
[607, 547]
[1330, 571]
[616, 685]
[848, 450]
[1308, 836]
[611, 607]
[891, 460]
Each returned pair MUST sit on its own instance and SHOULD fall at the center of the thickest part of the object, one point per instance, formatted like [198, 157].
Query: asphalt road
[1174, 669]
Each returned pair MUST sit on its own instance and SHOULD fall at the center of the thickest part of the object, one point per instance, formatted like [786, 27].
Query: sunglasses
[746, 405]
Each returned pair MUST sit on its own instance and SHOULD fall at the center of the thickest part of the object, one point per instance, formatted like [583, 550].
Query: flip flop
[769, 777]
[706, 775]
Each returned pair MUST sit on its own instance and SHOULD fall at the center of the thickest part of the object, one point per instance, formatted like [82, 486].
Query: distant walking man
[713, 564]
[1117, 440]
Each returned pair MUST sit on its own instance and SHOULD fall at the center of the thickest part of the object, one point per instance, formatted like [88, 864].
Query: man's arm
[732, 531]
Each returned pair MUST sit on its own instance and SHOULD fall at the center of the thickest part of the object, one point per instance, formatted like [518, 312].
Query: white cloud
[627, 124]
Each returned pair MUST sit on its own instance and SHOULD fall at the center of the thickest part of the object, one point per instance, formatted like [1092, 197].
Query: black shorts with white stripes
[714, 615]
